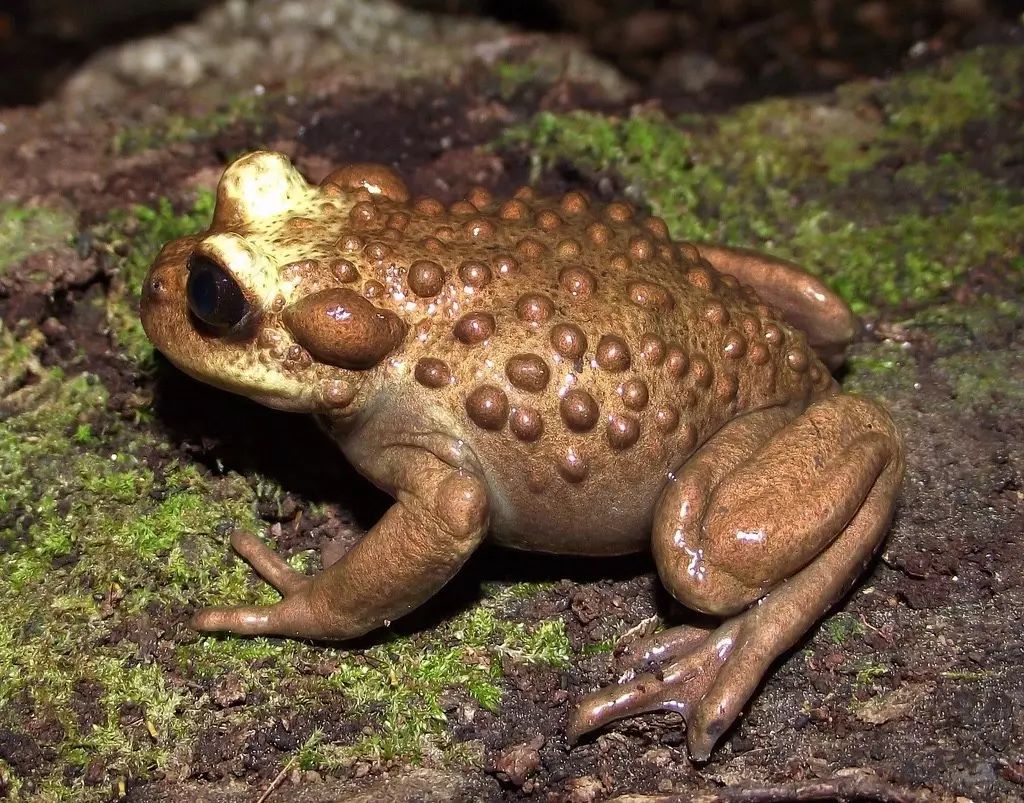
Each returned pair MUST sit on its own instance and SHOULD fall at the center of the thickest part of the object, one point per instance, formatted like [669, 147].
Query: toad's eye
[213, 296]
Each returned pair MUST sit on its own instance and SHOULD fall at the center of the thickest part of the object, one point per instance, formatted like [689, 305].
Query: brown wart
[613, 353]
[475, 273]
[534, 308]
[432, 372]
[635, 394]
[622, 431]
[377, 179]
[573, 465]
[528, 372]
[578, 282]
[579, 410]
[526, 423]
[426, 278]
[487, 407]
[474, 327]
[568, 340]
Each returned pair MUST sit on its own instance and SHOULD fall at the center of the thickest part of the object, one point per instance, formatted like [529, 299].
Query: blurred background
[780, 46]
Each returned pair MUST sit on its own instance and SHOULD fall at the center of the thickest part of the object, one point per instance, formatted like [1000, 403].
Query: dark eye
[213, 296]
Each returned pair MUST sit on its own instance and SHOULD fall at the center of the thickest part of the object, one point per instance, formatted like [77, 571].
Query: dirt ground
[120, 478]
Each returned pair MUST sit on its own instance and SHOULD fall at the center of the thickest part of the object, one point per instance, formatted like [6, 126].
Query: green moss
[967, 675]
[781, 141]
[400, 687]
[867, 673]
[598, 647]
[248, 109]
[402, 684]
[981, 321]
[841, 627]
[913, 258]
[881, 369]
[933, 103]
[9, 782]
[25, 230]
[93, 540]
[993, 379]
[509, 591]
[98, 545]
[513, 76]
[547, 643]
[771, 175]
[975, 351]
[133, 239]
[18, 361]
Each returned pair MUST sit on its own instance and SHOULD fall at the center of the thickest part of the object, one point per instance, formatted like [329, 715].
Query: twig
[277, 780]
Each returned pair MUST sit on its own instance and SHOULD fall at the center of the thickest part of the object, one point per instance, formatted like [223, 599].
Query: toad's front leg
[769, 523]
[417, 546]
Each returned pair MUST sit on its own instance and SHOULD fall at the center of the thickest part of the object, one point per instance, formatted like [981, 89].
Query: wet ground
[120, 478]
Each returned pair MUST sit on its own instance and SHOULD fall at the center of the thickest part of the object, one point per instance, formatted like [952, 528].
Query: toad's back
[578, 352]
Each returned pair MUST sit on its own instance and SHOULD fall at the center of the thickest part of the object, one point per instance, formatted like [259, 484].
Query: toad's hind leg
[769, 523]
[804, 300]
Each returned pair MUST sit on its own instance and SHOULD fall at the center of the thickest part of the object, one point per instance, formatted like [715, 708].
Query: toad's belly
[543, 512]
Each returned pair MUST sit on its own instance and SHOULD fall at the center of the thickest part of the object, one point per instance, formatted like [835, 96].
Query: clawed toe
[660, 648]
[690, 683]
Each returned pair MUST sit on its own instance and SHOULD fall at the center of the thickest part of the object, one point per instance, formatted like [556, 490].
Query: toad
[556, 375]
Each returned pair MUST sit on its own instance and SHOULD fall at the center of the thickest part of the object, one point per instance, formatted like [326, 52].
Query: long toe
[268, 564]
[662, 648]
[614, 702]
[733, 686]
[241, 619]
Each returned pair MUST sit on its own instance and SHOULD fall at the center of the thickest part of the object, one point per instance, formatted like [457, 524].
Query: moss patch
[247, 109]
[103, 555]
[775, 175]
[94, 543]
[935, 103]
[841, 627]
[25, 230]
[401, 686]
[17, 361]
[991, 380]
[881, 369]
[133, 239]
[977, 350]
[980, 324]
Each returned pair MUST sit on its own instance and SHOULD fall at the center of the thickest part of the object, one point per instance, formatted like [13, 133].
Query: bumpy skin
[561, 376]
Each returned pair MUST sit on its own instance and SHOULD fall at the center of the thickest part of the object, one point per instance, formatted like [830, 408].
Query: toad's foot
[422, 540]
[292, 585]
[696, 673]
